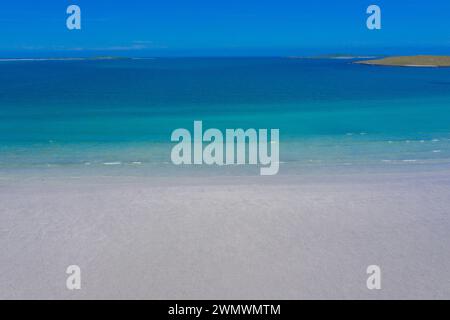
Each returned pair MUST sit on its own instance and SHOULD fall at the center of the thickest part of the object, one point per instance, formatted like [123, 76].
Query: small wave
[112, 163]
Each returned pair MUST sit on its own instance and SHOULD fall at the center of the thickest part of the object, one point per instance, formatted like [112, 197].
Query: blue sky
[231, 27]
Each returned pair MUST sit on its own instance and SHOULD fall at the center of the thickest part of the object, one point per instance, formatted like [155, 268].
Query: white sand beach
[281, 237]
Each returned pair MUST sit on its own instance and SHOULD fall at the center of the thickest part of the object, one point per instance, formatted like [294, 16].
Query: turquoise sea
[117, 115]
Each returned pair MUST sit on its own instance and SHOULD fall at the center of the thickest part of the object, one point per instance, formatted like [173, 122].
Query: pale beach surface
[249, 237]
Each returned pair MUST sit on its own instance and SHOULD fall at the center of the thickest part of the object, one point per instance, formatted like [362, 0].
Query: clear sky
[223, 27]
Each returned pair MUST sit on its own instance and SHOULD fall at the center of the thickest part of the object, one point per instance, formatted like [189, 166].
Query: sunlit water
[117, 116]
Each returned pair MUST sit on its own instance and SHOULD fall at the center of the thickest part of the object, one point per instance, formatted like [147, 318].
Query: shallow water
[120, 114]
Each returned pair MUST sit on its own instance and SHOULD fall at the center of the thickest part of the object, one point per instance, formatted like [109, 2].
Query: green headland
[411, 61]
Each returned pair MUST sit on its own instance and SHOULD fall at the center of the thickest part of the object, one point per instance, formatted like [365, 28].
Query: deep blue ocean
[94, 113]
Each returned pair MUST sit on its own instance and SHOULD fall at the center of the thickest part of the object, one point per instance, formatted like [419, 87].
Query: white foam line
[112, 163]
[421, 65]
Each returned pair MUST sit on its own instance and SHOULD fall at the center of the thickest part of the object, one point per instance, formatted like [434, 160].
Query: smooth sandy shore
[283, 237]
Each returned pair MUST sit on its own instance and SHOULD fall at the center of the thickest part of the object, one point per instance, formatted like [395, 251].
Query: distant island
[410, 61]
[332, 56]
[107, 58]
[67, 58]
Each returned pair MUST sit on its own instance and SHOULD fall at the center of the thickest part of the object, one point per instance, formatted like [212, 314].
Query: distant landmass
[410, 61]
[66, 59]
[333, 56]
